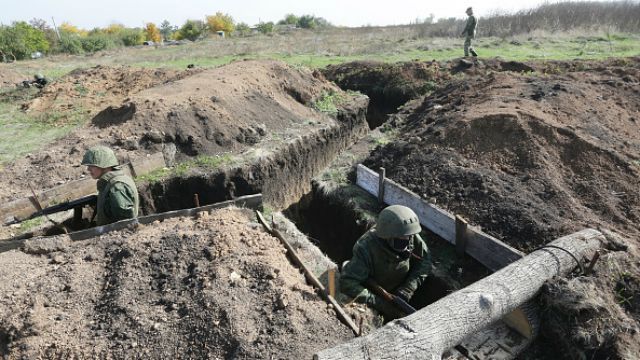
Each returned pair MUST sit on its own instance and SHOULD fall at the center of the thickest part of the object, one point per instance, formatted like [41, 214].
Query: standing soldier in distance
[117, 193]
[469, 33]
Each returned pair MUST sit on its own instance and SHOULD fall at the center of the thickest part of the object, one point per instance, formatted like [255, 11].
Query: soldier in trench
[393, 255]
[469, 33]
[117, 193]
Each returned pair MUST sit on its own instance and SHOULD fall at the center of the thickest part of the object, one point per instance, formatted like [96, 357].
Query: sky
[89, 14]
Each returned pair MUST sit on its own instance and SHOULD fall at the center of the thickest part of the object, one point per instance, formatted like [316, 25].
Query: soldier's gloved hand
[403, 294]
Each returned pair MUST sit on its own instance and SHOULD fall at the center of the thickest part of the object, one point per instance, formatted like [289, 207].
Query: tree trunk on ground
[429, 332]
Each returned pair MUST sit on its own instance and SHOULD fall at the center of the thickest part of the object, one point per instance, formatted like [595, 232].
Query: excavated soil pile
[530, 158]
[10, 78]
[222, 110]
[213, 287]
[91, 90]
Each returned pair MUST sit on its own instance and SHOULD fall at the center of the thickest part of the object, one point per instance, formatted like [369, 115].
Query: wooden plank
[382, 175]
[23, 208]
[331, 274]
[489, 251]
[461, 236]
[250, 201]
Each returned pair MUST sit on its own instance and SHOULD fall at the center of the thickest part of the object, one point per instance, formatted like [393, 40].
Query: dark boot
[473, 53]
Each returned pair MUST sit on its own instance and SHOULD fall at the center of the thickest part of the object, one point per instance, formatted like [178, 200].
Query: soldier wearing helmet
[117, 193]
[469, 33]
[393, 254]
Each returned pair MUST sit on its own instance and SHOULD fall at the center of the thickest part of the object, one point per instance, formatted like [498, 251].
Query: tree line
[22, 39]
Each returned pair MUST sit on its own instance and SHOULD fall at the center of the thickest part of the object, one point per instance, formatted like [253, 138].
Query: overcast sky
[134, 13]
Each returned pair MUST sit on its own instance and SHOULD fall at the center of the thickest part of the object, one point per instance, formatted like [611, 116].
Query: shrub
[220, 22]
[70, 44]
[22, 39]
[243, 29]
[265, 27]
[97, 42]
[132, 37]
[192, 30]
[152, 33]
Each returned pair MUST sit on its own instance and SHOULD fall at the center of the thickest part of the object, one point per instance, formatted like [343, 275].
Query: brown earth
[9, 78]
[531, 157]
[223, 110]
[213, 287]
[91, 90]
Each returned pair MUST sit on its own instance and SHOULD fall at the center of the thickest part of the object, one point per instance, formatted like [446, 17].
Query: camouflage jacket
[117, 198]
[373, 258]
[470, 27]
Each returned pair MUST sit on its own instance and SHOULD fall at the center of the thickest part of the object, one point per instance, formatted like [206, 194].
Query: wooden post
[196, 200]
[77, 215]
[461, 236]
[429, 332]
[381, 178]
[331, 274]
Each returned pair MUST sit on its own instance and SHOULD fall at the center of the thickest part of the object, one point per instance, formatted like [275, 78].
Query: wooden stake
[331, 273]
[381, 180]
[196, 200]
[461, 236]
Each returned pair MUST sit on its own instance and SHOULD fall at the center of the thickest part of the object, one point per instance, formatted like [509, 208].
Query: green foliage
[97, 42]
[22, 39]
[265, 27]
[243, 29]
[191, 30]
[27, 225]
[132, 37]
[70, 44]
[289, 19]
[328, 102]
[167, 30]
[307, 22]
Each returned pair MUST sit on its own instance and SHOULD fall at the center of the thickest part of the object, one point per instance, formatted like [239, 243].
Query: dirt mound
[529, 158]
[223, 110]
[91, 90]
[10, 77]
[215, 287]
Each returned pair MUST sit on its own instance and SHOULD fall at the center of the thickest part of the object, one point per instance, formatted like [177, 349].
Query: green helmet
[100, 156]
[397, 221]
[38, 76]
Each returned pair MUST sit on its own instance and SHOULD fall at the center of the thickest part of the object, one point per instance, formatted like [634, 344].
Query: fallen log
[442, 325]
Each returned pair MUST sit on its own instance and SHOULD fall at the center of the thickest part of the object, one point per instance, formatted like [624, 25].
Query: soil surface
[184, 114]
[213, 287]
[531, 153]
[9, 78]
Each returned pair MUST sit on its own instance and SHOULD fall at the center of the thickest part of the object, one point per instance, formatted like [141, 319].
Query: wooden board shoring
[489, 251]
[23, 208]
[253, 202]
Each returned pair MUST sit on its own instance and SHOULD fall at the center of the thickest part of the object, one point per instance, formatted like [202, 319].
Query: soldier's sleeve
[121, 202]
[420, 268]
[354, 274]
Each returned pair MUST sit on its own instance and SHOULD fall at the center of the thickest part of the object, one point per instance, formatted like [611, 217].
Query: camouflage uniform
[117, 198]
[469, 33]
[117, 193]
[396, 272]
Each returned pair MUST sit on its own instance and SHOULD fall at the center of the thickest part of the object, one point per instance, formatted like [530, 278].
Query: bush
[265, 27]
[22, 39]
[192, 30]
[70, 44]
[243, 29]
[220, 22]
[132, 37]
[152, 33]
[97, 42]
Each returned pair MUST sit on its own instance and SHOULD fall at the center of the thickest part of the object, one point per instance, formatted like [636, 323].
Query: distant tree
[97, 41]
[243, 29]
[114, 29]
[70, 44]
[192, 30]
[22, 39]
[289, 19]
[166, 29]
[220, 22]
[265, 27]
[152, 33]
[307, 22]
[49, 32]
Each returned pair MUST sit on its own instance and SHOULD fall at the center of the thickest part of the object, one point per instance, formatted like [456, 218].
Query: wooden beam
[461, 236]
[23, 208]
[429, 332]
[489, 251]
[382, 174]
[250, 201]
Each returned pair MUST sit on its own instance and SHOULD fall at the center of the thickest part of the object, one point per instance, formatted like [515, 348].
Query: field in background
[300, 48]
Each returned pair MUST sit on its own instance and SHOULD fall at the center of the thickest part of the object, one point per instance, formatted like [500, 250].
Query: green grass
[205, 162]
[26, 132]
[27, 225]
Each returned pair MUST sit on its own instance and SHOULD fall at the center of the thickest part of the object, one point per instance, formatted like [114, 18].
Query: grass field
[299, 48]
